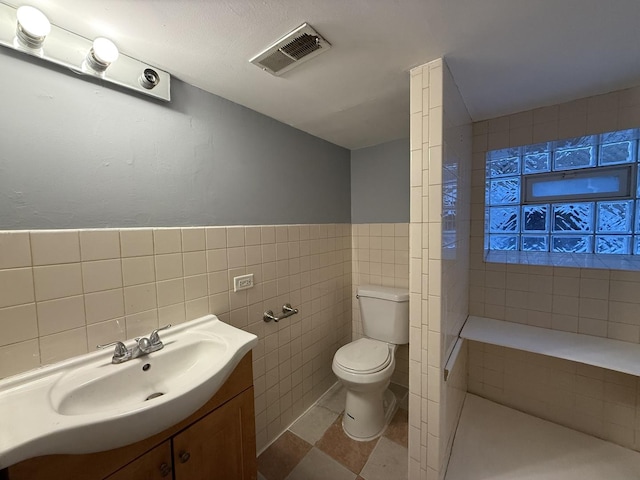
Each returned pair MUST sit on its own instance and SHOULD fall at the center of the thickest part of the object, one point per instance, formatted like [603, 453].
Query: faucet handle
[120, 351]
[144, 344]
[154, 337]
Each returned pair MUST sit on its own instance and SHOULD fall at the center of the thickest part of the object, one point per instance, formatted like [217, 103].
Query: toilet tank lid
[385, 293]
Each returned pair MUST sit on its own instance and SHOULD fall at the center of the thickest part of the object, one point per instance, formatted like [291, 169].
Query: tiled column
[425, 270]
[438, 269]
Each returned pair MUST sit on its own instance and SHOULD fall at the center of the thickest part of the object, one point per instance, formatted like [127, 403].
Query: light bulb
[105, 50]
[103, 53]
[33, 26]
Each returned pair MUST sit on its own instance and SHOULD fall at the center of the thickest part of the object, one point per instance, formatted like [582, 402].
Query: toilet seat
[364, 356]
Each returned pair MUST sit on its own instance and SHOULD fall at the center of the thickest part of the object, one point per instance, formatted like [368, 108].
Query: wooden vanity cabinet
[216, 443]
[214, 447]
[153, 465]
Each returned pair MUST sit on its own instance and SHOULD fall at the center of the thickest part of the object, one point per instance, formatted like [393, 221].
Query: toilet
[365, 366]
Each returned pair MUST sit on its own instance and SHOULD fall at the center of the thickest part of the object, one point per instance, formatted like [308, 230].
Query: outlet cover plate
[243, 282]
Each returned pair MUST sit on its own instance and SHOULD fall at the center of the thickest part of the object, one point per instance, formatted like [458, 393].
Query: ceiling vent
[295, 48]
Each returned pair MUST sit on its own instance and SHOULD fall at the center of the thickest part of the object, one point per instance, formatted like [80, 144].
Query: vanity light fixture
[32, 27]
[102, 54]
[28, 31]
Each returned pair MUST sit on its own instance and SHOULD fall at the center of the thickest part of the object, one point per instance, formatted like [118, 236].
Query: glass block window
[449, 206]
[572, 218]
[535, 218]
[504, 219]
[577, 195]
[575, 153]
[537, 158]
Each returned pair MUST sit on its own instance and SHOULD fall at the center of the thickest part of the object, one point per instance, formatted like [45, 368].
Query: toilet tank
[384, 312]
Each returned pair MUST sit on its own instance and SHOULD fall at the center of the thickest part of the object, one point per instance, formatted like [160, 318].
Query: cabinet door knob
[184, 457]
[165, 469]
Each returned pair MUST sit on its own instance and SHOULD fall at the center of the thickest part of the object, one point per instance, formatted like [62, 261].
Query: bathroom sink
[100, 387]
[88, 404]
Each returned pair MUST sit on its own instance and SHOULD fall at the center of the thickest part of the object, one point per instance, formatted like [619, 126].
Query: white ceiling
[505, 55]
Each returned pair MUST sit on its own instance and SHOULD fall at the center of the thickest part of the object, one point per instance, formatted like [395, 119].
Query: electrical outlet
[242, 282]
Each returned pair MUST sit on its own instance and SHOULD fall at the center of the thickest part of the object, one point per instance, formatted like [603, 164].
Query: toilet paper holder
[287, 311]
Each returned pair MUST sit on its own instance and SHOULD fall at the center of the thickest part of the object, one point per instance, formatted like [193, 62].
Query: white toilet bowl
[365, 367]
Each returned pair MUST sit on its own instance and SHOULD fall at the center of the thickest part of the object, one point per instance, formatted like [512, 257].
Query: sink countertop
[87, 404]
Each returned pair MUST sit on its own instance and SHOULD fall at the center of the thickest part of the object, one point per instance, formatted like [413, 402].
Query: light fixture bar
[83, 56]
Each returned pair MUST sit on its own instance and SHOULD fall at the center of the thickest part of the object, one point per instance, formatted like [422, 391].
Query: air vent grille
[277, 61]
[302, 46]
[298, 46]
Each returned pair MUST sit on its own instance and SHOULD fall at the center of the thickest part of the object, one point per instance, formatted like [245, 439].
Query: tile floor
[316, 448]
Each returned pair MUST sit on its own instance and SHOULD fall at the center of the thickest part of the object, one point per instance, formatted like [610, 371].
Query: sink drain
[154, 395]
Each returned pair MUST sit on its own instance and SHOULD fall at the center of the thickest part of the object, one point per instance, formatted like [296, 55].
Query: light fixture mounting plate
[69, 50]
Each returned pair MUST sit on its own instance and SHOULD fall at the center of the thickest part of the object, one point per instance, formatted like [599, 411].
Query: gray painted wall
[380, 183]
[75, 154]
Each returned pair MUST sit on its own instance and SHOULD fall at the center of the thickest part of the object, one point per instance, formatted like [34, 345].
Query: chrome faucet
[121, 353]
[143, 346]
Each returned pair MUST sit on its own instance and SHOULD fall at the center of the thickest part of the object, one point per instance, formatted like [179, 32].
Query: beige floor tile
[314, 423]
[336, 456]
[334, 399]
[316, 465]
[388, 461]
[277, 461]
[348, 452]
[398, 428]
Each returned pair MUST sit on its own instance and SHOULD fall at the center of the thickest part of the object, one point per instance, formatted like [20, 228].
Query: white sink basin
[98, 387]
[87, 404]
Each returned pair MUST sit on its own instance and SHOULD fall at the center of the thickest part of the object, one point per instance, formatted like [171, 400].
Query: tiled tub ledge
[599, 352]
[569, 260]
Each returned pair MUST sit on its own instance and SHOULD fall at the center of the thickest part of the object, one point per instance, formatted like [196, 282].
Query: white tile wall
[438, 264]
[591, 301]
[63, 292]
[99, 244]
[16, 248]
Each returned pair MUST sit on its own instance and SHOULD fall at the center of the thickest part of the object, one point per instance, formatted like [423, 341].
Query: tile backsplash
[62, 292]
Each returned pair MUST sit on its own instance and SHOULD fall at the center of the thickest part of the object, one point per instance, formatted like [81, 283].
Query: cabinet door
[153, 465]
[221, 446]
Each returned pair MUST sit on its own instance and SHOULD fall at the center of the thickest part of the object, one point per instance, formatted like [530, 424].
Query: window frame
[627, 174]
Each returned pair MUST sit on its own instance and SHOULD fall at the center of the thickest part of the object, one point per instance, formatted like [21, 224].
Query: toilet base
[367, 414]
